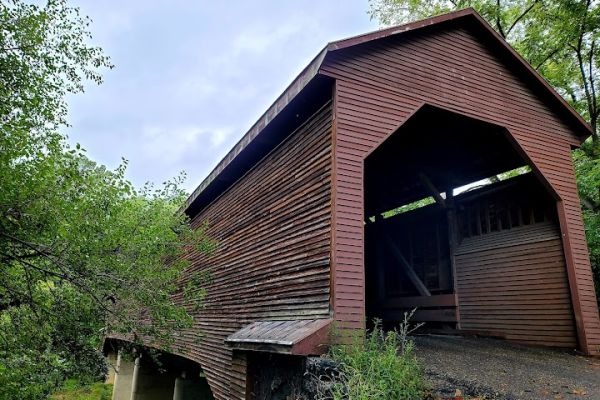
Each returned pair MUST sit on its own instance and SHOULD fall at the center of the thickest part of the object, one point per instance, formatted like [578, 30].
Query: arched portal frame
[517, 153]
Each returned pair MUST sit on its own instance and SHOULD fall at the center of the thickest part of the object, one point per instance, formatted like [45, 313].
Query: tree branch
[22, 49]
[73, 280]
[520, 17]
[65, 276]
[580, 60]
[37, 268]
[498, 21]
[545, 59]
[584, 78]
[592, 83]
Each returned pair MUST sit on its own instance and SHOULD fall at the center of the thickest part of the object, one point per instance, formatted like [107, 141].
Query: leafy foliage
[559, 38]
[409, 207]
[588, 182]
[82, 252]
[74, 390]
[377, 365]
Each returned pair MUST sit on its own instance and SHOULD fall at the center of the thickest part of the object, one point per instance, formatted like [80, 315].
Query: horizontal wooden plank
[440, 300]
[447, 315]
[273, 256]
[380, 84]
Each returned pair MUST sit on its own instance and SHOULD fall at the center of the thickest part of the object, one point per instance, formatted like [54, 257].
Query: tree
[82, 252]
[561, 40]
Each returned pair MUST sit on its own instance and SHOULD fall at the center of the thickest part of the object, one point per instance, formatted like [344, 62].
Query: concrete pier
[145, 377]
[123, 378]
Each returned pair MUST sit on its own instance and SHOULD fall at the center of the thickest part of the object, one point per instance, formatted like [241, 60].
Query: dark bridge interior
[410, 248]
[449, 149]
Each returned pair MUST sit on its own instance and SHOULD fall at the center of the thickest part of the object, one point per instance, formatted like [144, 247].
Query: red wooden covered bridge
[315, 215]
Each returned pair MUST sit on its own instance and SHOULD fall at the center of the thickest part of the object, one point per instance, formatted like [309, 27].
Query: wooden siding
[273, 255]
[297, 337]
[381, 83]
[514, 284]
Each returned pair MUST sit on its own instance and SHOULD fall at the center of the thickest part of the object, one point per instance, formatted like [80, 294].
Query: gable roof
[308, 74]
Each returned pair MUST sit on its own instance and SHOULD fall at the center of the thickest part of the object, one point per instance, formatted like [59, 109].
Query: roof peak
[312, 70]
[397, 29]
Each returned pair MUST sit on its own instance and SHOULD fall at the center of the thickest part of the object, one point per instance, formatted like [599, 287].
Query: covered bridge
[315, 215]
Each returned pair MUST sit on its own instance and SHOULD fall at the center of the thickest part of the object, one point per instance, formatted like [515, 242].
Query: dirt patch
[496, 369]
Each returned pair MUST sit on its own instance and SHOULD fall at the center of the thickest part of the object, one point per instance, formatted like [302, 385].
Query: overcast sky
[191, 77]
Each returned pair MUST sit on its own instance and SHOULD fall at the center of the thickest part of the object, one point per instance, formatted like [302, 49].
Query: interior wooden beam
[452, 240]
[432, 189]
[410, 272]
[438, 300]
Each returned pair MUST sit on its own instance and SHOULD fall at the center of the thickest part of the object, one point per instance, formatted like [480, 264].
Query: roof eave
[455, 15]
[312, 70]
[297, 337]
[587, 129]
[293, 89]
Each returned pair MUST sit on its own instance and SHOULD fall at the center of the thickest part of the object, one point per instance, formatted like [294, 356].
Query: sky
[191, 77]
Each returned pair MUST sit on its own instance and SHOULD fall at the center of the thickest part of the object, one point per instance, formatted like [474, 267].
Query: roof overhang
[312, 71]
[295, 337]
[290, 93]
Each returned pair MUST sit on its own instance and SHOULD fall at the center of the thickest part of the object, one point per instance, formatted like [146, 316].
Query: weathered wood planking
[453, 65]
[298, 337]
[502, 276]
[291, 230]
[272, 261]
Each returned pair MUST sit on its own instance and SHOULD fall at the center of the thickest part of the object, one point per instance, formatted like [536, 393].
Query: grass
[377, 365]
[73, 390]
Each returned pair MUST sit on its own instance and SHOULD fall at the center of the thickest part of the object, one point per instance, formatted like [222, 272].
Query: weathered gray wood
[280, 333]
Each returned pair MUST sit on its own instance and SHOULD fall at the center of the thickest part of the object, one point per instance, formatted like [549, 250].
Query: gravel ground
[495, 369]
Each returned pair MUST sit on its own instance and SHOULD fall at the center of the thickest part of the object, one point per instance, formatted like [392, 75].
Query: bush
[377, 365]
[74, 389]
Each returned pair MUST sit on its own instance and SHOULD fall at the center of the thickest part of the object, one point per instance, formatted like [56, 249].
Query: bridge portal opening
[445, 196]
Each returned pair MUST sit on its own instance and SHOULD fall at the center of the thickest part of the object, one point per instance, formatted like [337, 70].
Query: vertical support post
[117, 369]
[135, 379]
[572, 277]
[381, 273]
[111, 360]
[452, 244]
[179, 386]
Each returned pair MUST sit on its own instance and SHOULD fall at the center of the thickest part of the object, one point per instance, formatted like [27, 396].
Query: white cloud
[218, 136]
[192, 77]
[171, 145]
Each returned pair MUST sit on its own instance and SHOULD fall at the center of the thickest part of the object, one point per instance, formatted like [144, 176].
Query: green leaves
[44, 54]
[82, 252]
[588, 182]
[377, 365]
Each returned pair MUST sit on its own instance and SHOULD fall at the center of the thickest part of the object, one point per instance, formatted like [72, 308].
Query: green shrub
[73, 389]
[377, 365]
